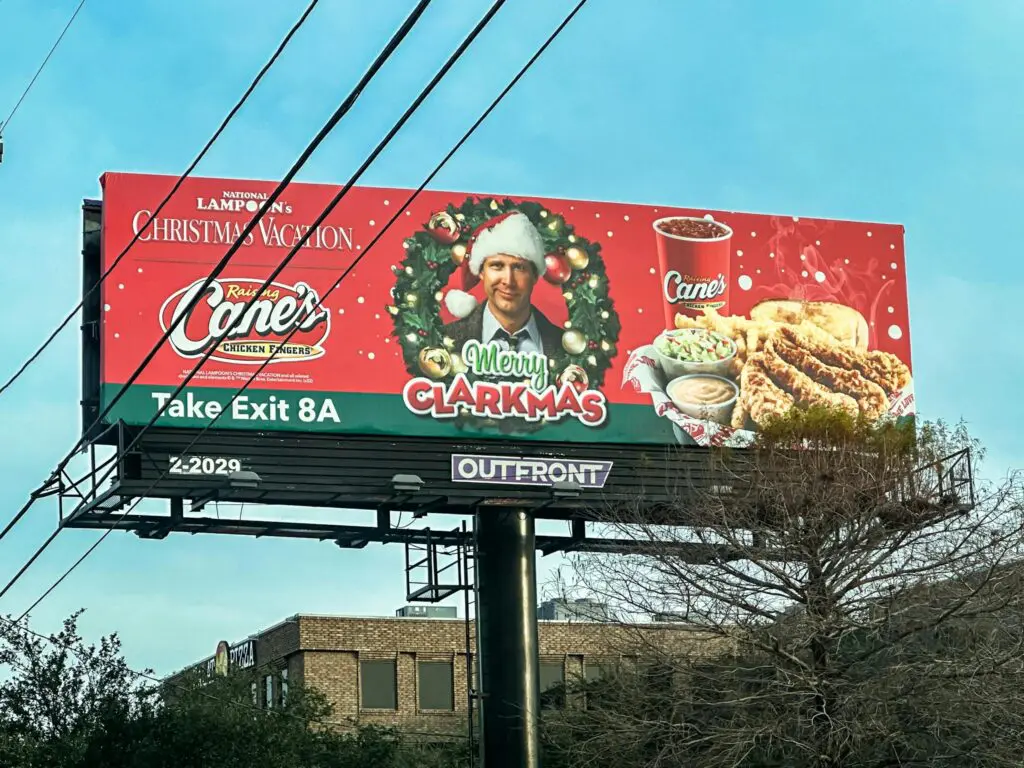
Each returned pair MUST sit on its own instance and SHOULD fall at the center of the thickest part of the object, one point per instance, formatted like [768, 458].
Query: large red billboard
[495, 317]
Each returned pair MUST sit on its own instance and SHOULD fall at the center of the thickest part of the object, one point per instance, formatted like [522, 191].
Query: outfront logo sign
[514, 470]
[247, 336]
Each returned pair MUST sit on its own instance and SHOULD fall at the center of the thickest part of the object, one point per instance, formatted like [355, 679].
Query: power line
[335, 118]
[245, 233]
[458, 145]
[7, 122]
[181, 179]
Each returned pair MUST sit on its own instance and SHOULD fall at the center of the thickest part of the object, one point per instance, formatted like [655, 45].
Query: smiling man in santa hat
[507, 254]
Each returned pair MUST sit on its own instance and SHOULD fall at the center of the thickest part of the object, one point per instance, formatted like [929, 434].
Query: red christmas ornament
[576, 377]
[557, 268]
[444, 228]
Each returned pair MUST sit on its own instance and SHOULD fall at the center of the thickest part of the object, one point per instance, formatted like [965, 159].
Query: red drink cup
[694, 256]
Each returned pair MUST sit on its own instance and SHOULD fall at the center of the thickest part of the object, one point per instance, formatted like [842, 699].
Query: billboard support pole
[507, 639]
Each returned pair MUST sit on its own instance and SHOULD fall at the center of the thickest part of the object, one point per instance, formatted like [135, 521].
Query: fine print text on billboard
[490, 317]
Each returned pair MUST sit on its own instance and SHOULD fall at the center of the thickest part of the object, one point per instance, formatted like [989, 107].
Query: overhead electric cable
[342, 110]
[458, 145]
[32, 82]
[181, 179]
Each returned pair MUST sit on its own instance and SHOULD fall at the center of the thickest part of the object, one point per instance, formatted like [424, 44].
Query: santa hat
[511, 234]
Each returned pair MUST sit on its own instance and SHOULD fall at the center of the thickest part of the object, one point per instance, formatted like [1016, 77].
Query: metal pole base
[507, 639]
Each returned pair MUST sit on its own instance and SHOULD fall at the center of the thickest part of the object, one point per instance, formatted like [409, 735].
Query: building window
[284, 686]
[378, 684]
[255, 694]
[597, 675]
[268, 690]
[552, 684]
[436, 685]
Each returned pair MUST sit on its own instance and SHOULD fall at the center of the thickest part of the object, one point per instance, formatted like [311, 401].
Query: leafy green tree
[81, 708]
[849, 602]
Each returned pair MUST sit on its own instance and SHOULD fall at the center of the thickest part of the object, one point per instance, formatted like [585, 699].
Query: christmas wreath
[435, 269]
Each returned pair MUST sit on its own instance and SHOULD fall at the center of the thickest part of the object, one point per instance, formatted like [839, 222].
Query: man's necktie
[513, 341]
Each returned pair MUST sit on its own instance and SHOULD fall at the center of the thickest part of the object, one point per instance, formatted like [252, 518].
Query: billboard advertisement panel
[499, 317]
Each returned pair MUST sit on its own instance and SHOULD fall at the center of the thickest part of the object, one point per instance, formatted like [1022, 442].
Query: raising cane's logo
[247, 336]
[688, 289]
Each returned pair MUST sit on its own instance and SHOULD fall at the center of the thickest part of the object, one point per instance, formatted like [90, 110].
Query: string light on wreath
[434, 275]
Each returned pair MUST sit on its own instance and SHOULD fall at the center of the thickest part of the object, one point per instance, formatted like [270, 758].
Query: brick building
[410, 672]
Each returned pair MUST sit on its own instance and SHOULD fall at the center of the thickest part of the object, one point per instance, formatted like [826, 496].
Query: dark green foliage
[59, 709]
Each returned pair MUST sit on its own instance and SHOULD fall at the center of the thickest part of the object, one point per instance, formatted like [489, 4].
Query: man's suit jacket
[472, 327]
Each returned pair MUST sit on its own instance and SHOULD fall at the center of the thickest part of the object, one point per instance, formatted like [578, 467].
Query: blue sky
[896, 111]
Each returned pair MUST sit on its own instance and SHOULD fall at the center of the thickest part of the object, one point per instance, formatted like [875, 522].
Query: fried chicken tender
[761, 398]
[805, 390]
[889, 369]
[873, 366]
[870, 398]
[739, 415]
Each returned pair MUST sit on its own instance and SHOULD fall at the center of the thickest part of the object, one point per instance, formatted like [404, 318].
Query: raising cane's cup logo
[694, 256]
[248, 336]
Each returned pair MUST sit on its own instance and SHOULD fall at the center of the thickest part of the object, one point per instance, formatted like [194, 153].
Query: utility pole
[507, 639]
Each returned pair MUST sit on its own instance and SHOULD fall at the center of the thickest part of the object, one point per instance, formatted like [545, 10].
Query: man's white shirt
[528, 336]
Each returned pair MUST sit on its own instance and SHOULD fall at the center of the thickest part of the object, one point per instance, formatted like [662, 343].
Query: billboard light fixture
[244, 478]
[402, 483]
[565, 489]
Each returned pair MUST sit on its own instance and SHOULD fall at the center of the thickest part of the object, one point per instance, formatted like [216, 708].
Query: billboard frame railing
[156, 527]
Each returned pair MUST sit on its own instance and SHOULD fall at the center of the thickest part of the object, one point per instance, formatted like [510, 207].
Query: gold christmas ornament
[574, 342]
[459, 253]
[458, 364]
[556, 223]
[435, 362]
[578, 257]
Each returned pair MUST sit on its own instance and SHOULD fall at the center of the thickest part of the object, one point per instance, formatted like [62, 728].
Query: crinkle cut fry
[805, 389]
[870, 398]
[762, 398]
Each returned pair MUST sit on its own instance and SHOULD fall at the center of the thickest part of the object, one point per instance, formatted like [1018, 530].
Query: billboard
[494, 317]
